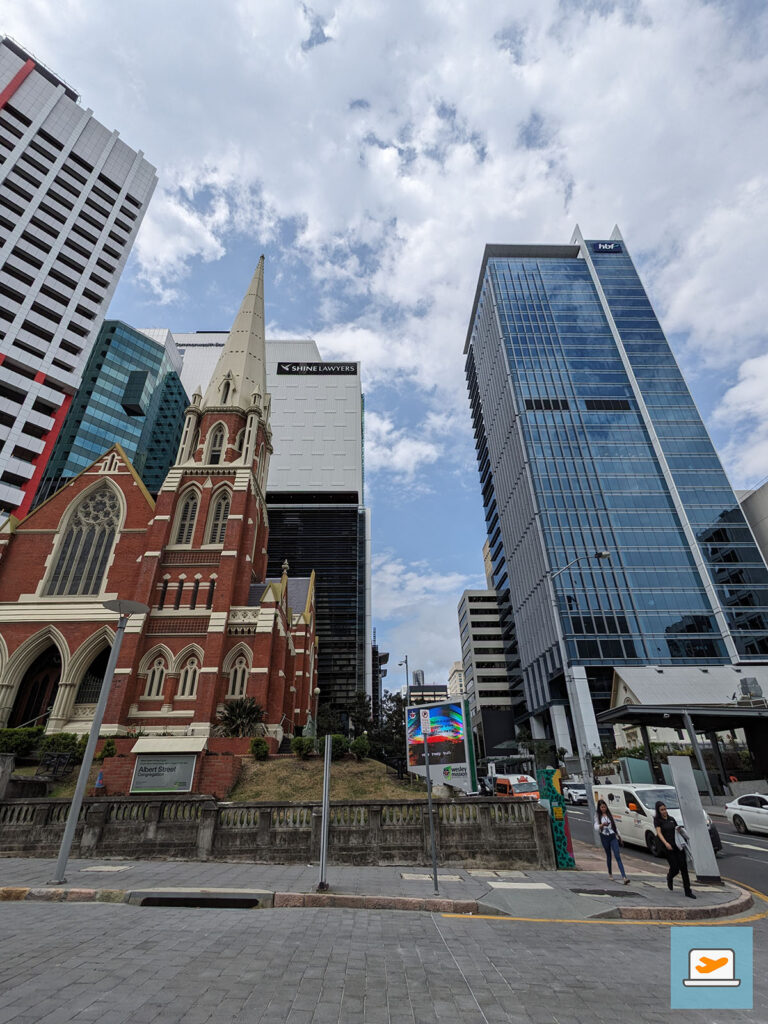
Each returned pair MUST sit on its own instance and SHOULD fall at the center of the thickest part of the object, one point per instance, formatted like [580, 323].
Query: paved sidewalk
[583, 894]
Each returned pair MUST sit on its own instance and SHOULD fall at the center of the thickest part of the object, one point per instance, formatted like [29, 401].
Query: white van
[633, 807]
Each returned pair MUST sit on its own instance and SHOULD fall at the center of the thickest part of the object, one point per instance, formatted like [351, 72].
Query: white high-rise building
[72, 197]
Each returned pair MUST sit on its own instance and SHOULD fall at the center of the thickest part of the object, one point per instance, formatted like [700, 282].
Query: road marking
[746, 846]
[428, 878]
[494, 884]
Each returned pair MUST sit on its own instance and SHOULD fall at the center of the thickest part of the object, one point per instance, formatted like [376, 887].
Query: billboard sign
[449, 735]
[321, 369]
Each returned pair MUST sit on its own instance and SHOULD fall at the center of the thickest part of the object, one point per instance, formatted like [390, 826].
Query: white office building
[72, 197]
[492, 683]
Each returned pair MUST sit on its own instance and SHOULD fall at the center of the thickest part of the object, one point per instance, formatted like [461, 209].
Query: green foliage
[240, 718]
[360, 747]
[387, 738]
[20, 742]
[108, 749]
[339, 746]
[64, 743]
[302, 746]
[328, 721]
[259, 749]
[360, 714]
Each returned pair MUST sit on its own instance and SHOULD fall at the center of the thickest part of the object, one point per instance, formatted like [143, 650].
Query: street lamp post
[407, 679]
[124, 609]
[582, 747]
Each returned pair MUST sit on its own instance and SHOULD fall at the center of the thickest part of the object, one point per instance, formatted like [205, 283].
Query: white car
[748, 813]
[575, 794]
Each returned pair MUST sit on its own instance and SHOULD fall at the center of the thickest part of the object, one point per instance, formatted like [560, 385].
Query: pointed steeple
[241, 369]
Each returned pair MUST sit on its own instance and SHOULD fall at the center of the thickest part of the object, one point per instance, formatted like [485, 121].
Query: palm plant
[241, 717]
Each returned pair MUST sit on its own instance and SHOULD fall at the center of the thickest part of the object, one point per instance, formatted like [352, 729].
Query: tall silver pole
[85, 767]
[322, 885]
[426, 729]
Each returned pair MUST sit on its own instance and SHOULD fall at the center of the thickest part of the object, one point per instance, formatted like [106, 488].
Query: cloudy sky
[372, 147]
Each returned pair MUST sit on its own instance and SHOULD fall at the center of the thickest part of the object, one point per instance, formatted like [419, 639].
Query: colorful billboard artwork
[451, 756]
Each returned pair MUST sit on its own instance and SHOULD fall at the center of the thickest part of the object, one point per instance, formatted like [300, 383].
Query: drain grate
[608, 892]
[226, 902]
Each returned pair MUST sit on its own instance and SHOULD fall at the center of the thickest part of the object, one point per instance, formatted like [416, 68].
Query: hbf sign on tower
[607, 247]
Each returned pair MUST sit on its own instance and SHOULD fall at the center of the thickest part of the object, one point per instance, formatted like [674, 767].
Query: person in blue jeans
[609, 836]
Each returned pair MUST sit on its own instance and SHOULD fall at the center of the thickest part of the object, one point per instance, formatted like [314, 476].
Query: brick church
[217, 629]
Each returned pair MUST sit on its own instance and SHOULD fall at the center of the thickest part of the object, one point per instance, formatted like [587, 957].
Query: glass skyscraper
[130, 394]
[588, 441]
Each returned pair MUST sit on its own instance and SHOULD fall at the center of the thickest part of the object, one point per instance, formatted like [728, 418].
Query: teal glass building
[588, 441]
[130, 394]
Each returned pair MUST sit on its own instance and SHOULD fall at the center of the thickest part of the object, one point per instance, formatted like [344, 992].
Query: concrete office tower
[131, 394]
[754, 505]
[492, 682]
[72, 197]
[417, 677]
[589, 442]
[317, 519]
[456, 687]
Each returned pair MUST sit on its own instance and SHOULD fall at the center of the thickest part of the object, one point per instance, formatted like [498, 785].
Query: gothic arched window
[225, 388]
[217, 522]
[187, 516]
[155, 679]
[216, 445]
[238, 677]
[188, 679]
[86, 545]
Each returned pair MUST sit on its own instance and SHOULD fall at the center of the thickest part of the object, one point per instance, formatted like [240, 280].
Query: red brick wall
[217, 770]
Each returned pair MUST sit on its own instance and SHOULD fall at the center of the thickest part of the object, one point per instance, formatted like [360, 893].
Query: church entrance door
[37, 690]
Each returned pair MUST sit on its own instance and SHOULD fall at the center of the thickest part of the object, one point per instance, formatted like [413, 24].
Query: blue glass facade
[588, 440]
[131, 394]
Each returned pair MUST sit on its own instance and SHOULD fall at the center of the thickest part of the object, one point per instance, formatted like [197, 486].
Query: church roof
[298, 591]
[243, 359]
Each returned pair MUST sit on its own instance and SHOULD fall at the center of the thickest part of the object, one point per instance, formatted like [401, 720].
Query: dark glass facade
[330, 539]
[130, 394]
[588, 440]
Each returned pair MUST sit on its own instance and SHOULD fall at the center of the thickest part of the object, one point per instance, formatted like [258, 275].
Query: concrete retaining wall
[486, 833]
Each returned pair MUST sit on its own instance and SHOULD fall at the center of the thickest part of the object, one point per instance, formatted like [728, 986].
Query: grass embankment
[290, 780]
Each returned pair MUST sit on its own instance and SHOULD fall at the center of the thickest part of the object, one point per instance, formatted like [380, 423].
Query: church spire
[241, 369]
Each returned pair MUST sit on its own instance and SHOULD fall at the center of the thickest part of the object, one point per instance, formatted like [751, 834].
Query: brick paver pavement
[78, 963]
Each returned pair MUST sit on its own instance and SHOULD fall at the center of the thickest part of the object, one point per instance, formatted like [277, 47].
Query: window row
[188, 679]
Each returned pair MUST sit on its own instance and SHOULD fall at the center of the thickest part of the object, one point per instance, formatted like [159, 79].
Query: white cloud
[392, 449]
[415, 609]
[743, 411]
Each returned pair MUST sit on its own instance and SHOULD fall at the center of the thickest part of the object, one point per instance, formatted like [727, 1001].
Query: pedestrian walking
[667, 831]
[609, 836]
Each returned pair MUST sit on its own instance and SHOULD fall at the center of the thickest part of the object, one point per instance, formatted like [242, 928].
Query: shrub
[302, 746]
[360, 747]
[339, 746]
[259, 749]
[108, 749]
[241, 717]
[20, 742]
[64, 743]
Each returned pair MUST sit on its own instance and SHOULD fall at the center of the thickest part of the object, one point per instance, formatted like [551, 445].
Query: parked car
[634, 806]
[748, 813]
[575, 792]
